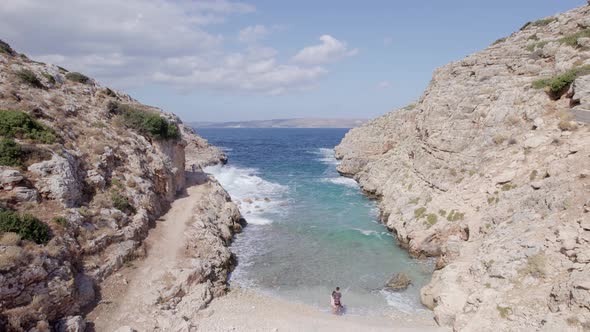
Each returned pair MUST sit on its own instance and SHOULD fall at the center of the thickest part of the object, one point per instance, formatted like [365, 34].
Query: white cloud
[252, 34]
[134, 42]
[330, 50]
[384, 85]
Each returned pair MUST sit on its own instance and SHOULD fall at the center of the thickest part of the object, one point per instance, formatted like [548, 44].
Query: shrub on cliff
[558, 85]
[25, 225]
[146, 123]
[5, 48]
[572, 40]
[16, 124]
[77, 77]
[10, 153]
[121, 203]
[28, 77]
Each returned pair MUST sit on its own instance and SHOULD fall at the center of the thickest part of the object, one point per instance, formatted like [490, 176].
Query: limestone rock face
[98, 186]
[487, 173]
[59, 179]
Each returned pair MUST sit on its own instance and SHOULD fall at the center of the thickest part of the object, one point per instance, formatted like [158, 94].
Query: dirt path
[128, 296]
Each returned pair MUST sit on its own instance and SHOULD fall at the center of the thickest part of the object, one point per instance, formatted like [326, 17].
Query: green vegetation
[455, 216]
[415, 201]
[77, 77]
[121, 203]
[535, 266]
[488, 285]
[49, 78]
[28, 77]
[431, 219]
[10, 153]
[509, 186]
[493, 200]
[442, 212]
[409, 107]
[572, 40]
[146, 123]
[534, 46]
[538, 23]
[5, 48]
[25, 225]
[62, 221]
[419, 212]
[558, 85]
[501, 40]
[533, 37]
[16, 124]
[504, 311]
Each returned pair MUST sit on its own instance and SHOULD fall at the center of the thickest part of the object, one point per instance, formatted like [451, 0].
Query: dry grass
[10, 239]
[512, 120]
[566, 122]
[57, 100]
[499, 139]
[10, 256]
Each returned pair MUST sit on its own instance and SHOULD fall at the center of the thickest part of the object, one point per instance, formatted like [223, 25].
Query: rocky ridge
[93, 169]
[489, 173]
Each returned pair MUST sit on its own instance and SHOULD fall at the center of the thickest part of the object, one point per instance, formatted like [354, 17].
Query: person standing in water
[336, 301]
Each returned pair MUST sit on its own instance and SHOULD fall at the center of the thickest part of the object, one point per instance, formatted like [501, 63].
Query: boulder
[71, 324]
[398, 282]
[125, 329]
[59, 179]
[9, 178]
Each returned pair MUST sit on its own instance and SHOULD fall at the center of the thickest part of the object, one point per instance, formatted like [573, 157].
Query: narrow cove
[310, 229]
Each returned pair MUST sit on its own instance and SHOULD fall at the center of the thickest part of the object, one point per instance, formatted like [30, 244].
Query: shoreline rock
[486, 173]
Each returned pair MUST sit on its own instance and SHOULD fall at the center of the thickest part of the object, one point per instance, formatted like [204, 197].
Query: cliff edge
[489, 172]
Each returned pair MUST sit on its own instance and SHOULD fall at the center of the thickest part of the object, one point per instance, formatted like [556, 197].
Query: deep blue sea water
[310, 229]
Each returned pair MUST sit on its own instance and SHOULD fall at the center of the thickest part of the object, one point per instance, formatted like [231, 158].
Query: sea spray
[256, 197]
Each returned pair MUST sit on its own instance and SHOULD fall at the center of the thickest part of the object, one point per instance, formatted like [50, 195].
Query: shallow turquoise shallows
[310, 229]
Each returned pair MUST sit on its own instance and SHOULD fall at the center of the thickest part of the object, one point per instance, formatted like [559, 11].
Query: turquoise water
[310, 229]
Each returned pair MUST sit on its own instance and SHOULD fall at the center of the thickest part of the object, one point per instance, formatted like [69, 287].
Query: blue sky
[189, 57]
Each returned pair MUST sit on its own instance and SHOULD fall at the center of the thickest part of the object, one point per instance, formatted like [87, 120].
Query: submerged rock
[399, 282]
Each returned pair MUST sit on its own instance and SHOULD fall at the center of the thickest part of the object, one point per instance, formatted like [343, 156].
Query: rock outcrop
[98, 168]
[488, 172]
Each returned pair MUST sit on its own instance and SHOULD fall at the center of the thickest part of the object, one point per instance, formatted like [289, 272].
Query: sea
[309, 229]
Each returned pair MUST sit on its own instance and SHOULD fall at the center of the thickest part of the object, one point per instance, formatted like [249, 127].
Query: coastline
[248, 310]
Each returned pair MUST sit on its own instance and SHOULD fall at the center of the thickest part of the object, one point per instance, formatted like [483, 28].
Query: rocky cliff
[489, 172]
[85, 171]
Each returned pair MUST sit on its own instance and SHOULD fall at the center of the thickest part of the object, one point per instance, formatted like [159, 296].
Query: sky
[222, 60]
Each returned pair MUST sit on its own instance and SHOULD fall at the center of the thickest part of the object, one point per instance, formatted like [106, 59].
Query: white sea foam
[368, 232]
[326, 156]
[401, 301]
[341, 181]
[256, 197]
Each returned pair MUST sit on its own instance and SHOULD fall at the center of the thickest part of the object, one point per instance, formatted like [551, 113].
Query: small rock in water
[400, 281]
[248, 200]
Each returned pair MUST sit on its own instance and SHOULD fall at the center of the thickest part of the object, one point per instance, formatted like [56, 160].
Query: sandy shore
[246, 310]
